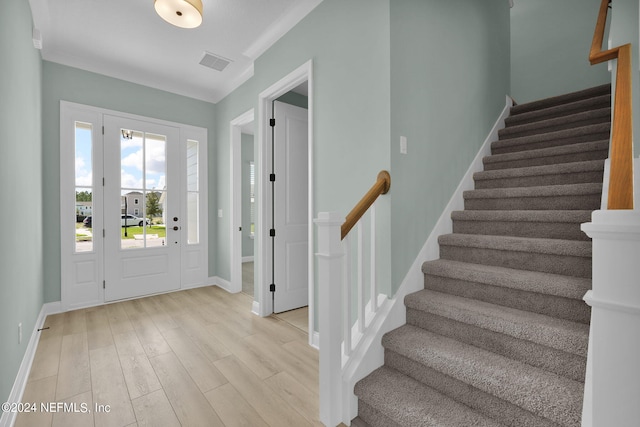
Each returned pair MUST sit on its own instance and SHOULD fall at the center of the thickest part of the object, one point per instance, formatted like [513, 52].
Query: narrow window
[252, 195]
[193, 193]
[84, 186]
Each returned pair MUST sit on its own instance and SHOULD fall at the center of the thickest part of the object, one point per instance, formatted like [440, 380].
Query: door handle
[175, 227]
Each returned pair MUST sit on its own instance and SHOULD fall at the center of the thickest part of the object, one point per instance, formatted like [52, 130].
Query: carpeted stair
[499, 335]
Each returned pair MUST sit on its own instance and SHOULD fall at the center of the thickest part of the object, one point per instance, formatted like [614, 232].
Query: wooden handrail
[382, 186]
[621, 177]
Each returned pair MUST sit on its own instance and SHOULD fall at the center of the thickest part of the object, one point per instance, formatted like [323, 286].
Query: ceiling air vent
[214, 61]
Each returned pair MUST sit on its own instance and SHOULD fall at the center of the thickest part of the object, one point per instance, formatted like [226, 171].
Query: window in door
[142, 170]
[193, 193]
[84, 186]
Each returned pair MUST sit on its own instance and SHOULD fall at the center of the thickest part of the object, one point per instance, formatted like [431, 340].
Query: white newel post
[330, 254]
[612, 395]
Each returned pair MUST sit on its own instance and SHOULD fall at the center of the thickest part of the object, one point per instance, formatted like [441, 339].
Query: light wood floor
[190, 358]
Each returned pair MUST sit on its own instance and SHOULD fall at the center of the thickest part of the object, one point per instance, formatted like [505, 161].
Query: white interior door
[142, 215]
[291, 217]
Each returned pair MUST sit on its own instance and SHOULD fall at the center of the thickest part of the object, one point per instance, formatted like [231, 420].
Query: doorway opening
[284, 237]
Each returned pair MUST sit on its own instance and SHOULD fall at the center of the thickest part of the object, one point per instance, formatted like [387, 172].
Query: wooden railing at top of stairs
[382, 186]
[621, 178]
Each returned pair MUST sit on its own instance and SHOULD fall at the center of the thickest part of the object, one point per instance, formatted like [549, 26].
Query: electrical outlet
[403, 145]
[19, 333]
[219, 213]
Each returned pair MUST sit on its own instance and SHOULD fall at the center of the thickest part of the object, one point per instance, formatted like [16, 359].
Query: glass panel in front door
[143, 175]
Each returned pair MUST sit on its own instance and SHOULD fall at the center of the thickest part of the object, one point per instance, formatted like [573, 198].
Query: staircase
[498, 336]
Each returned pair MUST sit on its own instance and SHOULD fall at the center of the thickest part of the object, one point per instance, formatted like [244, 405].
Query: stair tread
[569, 121]
[559, 110]
[555, 169]
[581, 131]
[561, 99]
[532, 281]
[564, 335]
[518, 244]
[548, 152]
[568, 216]
[411, 403]
[538, 191]
[536, 390]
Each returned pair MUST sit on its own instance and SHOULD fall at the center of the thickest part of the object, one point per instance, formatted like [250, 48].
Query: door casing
[261, 263]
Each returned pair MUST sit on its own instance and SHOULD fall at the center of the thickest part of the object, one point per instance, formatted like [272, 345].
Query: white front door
[291, 216]
[142, 201]
[137, 224]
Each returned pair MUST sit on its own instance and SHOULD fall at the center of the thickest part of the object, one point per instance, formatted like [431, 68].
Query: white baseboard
[393, 314]
[315, 340]
[255, 308]
[223, 283]
[9, 418]
[247, 258]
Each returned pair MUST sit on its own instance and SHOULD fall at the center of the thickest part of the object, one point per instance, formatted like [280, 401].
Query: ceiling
[127, 40]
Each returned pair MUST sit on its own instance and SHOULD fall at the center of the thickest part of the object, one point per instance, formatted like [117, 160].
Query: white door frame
[236, 199]
[293, 79]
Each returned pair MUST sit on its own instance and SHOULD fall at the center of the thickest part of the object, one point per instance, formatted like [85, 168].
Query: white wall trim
[9, 418]
[393, 312]
[247, 258]
[315, 340]
[222, 283]
[255, 308]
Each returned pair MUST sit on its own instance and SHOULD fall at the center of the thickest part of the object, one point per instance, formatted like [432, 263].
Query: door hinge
[272, 232]
[103, 130]
[104, 234]
[272, 122]
[272, 287]
[103, 182]
[272, 177]
[104, 284]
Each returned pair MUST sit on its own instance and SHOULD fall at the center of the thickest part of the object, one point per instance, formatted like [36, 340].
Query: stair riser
[485, 403]
[547, 143]
[537, 129]
[556, 112]
[550, 305]
[358, 422]
[547, 263]
[548, 160]
[556, 361]
[545, 230]
[539, 180]
[374, 418]
[579, 202]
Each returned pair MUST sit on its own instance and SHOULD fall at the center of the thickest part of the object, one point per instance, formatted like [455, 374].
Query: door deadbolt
[175, 218]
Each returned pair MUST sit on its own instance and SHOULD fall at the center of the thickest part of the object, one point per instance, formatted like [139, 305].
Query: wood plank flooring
[190, 358]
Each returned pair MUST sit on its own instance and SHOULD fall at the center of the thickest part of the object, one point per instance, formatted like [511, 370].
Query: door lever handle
[175, 227]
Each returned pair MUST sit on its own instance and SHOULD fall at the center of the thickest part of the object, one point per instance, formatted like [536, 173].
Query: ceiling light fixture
[181, 13]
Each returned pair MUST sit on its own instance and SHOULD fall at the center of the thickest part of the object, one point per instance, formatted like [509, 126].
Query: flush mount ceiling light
[181, 13]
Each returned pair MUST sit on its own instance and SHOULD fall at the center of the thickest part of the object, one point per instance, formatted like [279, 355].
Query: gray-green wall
[247, 158]
[449, 81]
[624, 29]
[74, 85]
[348, 42]
[550, 42]
[21, 253]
